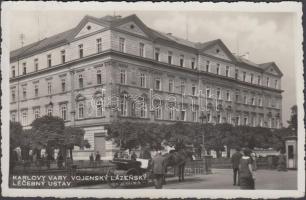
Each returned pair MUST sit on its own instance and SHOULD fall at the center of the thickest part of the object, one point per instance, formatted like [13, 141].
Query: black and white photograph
[152, 100]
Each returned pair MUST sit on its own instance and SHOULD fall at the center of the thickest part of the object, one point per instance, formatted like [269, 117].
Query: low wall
[269, 162]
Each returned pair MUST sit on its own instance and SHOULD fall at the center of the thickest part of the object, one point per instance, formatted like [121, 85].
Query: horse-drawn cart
[128, 172]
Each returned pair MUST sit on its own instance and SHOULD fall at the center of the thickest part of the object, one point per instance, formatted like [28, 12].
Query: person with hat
[246, 174]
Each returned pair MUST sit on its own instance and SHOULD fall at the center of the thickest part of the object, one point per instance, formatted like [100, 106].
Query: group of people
[244, 165]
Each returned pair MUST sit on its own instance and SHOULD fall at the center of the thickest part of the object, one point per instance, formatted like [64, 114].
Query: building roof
[114, 21]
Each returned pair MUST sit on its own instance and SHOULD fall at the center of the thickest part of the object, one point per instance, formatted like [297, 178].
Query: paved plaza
[222, 179]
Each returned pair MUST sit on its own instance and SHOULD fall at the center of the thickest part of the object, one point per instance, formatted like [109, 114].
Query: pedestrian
[158, 169]
[60, 161]
[133, 156]
[235, 164]
[98, 156]
[246, 174]
[254, 161]
[91, 160]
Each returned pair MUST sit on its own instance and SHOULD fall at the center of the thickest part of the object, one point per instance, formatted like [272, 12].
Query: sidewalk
[222, 179]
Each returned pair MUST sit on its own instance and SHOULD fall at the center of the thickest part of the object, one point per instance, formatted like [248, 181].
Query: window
[237, 97]
[123, 107]
[36, 64]
[260, 121]
[99, 108]
[182, 61]
[36, 113]
[245, 99]
[156, 54]
[13, 95]
[171, 85]
[218, 69]
[228, 118]
[244, 76]
[141, 49]
[183, 115]
[193, 63]
[121, 45]
[208, 117]
[49, 87]
[13, 117]
[49, 111]
[194, 116]
[183, 87]
[219, 119]
[268, 81]
[218, 93]
[63, 56]
[208, 93]
[64, 112]
[24, 92]
[253, 101]
[36, 90]
[158, 84]
[237, 121]
[208, 66]
[236, 74]
[258, 80]
[99, 45]
[99, 77]
[259, 101]
[143, 110]
[171, 114]
[276, 84]
[24, 67]
[81, 51]
[228, 95]
[123, 76]
[245, 121]
[142, 80]
[158, 112]
[13, 72]
[252, 77]
[49, 60]
[24, 118]
[81, 110]
[227, 71]
[81, 85]
[63, 85]
[193, 89]
[169, 57]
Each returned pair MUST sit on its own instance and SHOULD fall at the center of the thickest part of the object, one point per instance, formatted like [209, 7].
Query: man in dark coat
[158, 168]
[235, 164]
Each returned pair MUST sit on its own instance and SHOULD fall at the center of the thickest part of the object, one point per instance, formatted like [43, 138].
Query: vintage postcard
[153, 100]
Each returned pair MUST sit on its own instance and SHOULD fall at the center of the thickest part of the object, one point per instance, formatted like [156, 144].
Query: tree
[73, 136]
[48, 133]
[15, 134]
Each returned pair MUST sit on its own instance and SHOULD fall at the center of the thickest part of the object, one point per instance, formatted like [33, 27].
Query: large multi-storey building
[96, 73]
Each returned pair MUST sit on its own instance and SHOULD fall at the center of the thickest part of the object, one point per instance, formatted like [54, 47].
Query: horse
[177, 159]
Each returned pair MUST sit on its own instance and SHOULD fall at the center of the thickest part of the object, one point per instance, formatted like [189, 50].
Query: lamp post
[202, 118]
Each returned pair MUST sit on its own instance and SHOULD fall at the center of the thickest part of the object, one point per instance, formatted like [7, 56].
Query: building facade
[113, 68]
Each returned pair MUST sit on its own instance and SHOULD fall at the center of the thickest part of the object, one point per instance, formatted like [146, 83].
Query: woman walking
[246, 174]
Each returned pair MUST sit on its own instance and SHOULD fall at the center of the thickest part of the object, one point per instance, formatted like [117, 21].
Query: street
[222, 179]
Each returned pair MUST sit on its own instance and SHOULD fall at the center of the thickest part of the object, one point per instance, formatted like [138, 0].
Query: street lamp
[202, 118]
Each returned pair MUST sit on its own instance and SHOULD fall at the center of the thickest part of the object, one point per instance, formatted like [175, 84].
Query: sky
[267, 36]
